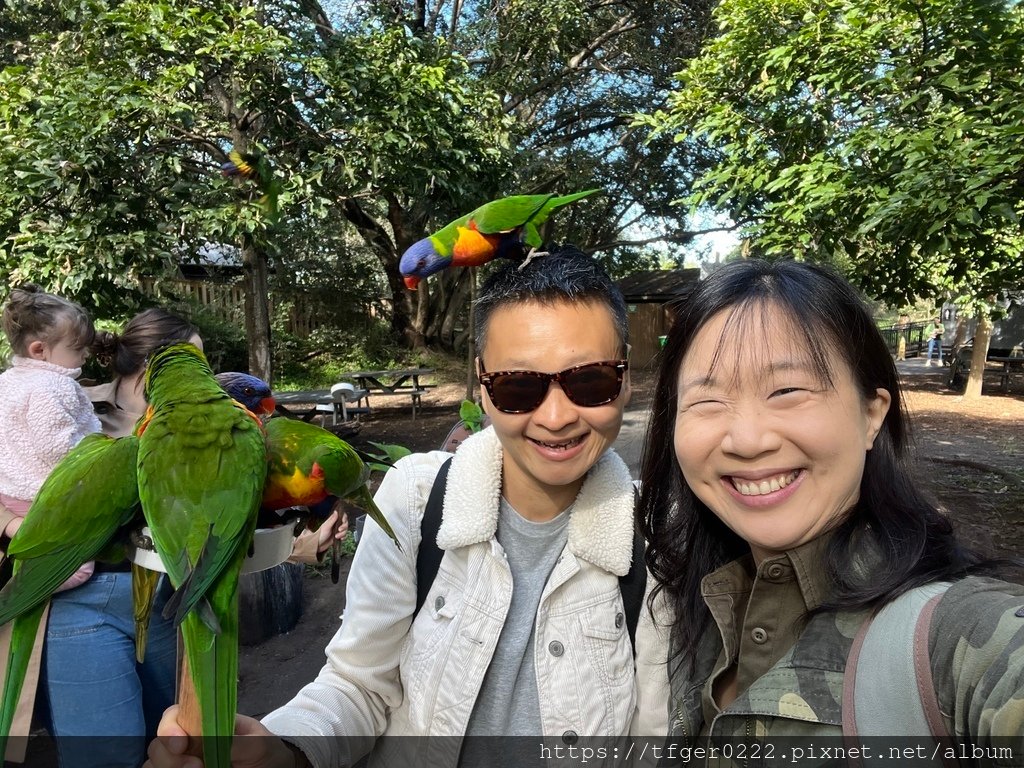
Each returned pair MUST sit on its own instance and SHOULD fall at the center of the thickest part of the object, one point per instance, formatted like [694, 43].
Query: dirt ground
[969, 454]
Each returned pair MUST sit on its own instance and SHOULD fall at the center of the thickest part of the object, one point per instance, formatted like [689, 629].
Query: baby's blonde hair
[32, 314]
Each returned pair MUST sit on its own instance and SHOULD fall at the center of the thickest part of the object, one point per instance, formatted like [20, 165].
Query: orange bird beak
[411, 281]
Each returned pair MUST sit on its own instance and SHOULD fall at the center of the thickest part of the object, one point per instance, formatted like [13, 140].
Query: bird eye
[421, 263]
[249, 391]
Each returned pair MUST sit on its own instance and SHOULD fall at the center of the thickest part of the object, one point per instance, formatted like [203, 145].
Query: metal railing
[912, 333]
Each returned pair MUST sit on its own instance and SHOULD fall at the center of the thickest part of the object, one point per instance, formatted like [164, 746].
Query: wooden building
[649, 297]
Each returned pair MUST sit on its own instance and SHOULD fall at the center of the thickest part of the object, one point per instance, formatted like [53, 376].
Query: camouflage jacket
[976, 647]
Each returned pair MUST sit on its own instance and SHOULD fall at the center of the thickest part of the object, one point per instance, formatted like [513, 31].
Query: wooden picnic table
[288, 403]
[396, 381]
[1012, 365]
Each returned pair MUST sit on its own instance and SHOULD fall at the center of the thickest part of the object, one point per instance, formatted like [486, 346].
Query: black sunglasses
[587, 385]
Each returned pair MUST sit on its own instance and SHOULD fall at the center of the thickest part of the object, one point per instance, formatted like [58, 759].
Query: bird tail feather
[23, 637]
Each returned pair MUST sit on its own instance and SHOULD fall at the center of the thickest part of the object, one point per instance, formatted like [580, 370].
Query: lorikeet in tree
[74, 518]
[309, 465]
[202, 464]
[256, 168]
[504, 228]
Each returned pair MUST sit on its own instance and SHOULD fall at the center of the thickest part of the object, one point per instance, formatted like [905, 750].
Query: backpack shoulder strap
[632, 586]
[893, 693]
[429, 555]
[428, 558]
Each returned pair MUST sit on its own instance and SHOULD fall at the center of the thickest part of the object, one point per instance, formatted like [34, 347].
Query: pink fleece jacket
[44, 413]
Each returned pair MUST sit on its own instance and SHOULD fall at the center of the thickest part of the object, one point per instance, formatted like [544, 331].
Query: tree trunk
[982, 335]
[269, 602]
[257, 309]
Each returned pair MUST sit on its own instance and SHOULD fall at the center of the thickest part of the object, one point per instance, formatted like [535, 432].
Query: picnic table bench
[397, 381]
[1006, 364]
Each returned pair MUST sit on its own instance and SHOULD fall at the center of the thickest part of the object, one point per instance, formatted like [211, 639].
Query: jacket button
[619, 618]
[556, 648]
[570, 737]
[439, 602]
[775, 571]
[758, 635]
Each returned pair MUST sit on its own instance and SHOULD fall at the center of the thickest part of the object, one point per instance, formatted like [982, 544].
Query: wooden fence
[226, 300]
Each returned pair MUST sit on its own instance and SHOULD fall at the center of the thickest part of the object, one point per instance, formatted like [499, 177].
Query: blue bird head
[419, 261]
[250, 391]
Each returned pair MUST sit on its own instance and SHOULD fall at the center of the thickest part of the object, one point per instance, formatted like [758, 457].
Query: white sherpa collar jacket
[387, 674]
[599, 532]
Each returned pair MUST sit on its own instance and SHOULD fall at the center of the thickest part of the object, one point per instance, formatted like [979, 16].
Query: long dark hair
[894, 525]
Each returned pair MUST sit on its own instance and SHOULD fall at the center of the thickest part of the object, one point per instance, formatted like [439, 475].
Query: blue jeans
[934, 344]
[94, 686]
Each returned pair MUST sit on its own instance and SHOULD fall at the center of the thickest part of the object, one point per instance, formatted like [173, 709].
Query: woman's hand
[334, 528]
[253, 746]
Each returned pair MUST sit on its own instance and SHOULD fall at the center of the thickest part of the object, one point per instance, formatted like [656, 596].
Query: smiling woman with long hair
[781, 512]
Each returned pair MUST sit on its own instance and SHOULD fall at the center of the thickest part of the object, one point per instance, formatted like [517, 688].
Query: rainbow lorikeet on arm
[251, 392]
[202, 463]
[310, 467]
[76, 517]
[504, 228]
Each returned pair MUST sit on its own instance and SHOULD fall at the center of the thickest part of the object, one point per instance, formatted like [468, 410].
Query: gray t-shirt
[508, 704]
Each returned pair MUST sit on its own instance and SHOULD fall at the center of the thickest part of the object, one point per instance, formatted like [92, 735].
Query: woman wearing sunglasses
[522, 632]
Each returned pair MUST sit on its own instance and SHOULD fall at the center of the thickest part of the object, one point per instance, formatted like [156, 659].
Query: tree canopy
[884, 137]
[379, 122]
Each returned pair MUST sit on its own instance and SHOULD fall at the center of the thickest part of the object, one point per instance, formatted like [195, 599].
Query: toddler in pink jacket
[44, 411]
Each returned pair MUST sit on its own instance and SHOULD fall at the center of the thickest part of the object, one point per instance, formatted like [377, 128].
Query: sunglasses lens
[593, 385]
[517, 393]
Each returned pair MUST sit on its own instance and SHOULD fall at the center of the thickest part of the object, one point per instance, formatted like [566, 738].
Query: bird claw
[533, 254]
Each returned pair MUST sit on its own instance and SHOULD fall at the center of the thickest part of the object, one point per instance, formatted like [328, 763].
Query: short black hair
[564, 273]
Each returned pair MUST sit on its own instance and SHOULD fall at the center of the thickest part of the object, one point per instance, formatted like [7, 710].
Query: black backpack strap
[632, 586]
[428, 556]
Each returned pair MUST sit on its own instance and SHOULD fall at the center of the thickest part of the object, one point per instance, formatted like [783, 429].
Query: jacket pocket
[431, 639]
[607, 644]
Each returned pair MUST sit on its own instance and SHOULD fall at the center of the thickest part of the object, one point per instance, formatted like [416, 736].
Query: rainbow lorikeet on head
[504, 228]
[255, 167]
[202, 464]
[76, 517]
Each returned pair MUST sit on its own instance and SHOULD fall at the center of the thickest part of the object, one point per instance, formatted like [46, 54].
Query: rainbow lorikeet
[254, 394]
[251, 391]
[309, 465]
[75, 518]
[255, 167]
[201, 469]
[503, 228]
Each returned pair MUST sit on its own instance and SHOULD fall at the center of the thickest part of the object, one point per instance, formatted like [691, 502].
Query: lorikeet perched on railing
[256, 168]
[506, 228]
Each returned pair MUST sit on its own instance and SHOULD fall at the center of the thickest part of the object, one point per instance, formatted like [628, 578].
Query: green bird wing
[508, 213]
[521, 211]
[89, 495]
[202, 467]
